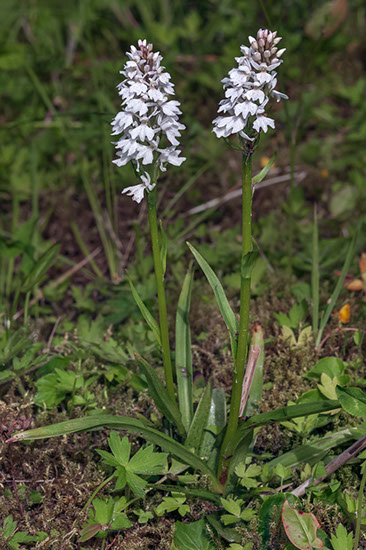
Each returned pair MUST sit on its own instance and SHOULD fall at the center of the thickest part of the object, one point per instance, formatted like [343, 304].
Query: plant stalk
[159, 274]
[242, 349]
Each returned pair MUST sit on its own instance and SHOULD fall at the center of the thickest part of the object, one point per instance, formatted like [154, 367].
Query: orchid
[147, 125]
[249, 87]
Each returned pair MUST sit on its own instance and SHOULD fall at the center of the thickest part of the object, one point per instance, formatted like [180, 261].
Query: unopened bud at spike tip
[280, 52]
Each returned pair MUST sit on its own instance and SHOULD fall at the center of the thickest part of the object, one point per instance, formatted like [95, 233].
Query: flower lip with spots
[148, 125]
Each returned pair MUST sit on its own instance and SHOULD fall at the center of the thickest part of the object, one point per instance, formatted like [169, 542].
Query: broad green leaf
[195, 433]
[352, 400]
[183, 351]
[145, 312]
[192, 536]
[132, 425]
[224, 306]
[301, 528]
[160, 395]
[332, 366]
[270, 516]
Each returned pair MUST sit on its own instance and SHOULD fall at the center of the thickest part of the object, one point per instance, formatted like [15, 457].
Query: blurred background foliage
[59, 64]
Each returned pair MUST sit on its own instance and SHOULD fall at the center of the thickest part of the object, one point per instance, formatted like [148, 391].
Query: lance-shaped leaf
[262, 174]
[183, 351]
[301, 528]
[131, 425]
[216, 422]
[195, 433]
[221, 299]
[145, 312]
[279, 415]
[161, 397]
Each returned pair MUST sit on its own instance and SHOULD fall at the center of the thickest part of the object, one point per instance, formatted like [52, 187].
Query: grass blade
[145, 312]
[221, 299]
[195, 434]
[280, 415]
[314, 451]
[338, 287]
[132, 425]
[160, 395]
[315, 273]
[183, 351]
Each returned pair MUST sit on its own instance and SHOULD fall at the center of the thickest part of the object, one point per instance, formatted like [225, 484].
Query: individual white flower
[249, 87]
[137, 191]
[147, 124]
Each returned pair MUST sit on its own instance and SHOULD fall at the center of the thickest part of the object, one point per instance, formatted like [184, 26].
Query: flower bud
[280, 52]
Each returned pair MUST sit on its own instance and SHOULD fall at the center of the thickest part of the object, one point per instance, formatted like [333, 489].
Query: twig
[53, 333]
[349, 329]
[334, 465]
[213, 203]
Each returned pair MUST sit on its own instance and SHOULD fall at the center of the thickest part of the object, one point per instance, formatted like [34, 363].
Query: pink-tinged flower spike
[148, 123]
[249, 87]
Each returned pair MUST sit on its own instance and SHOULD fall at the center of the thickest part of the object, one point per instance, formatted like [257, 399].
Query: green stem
[359, 508]
[163, 318]
[244, 310]
[291, 220]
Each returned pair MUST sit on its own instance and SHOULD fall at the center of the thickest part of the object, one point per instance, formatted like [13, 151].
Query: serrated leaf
[301, 528]
[146, 461]
[342, 540]
[120, 447]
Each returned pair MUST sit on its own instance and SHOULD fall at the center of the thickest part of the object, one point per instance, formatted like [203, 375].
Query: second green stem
[242, 349]
[159, 274]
